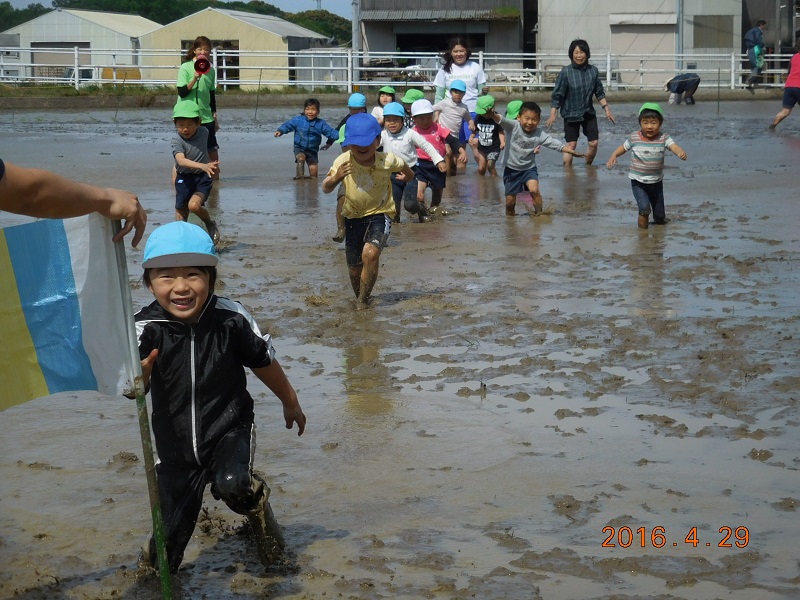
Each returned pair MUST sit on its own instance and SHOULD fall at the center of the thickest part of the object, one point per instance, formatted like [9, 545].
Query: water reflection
[367, 380]
[579, 190]
[647, 273]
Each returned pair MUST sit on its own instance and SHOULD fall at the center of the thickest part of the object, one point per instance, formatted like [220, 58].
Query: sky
[343, 8]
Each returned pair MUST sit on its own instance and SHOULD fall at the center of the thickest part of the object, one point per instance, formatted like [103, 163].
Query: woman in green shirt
[193, 85]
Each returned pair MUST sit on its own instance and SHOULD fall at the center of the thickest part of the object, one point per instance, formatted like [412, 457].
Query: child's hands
[442, 166]
[472, 127]
[211, 168]
[462, 156]
[278, 134]
[147, 367]
[611, 161]
[326, 146]
[537, 149]
[294, 414]
[681, 154]
[343, 171]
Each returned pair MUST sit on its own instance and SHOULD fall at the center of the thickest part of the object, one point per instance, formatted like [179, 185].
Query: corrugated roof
[270, 23]
[434, 15]
[130, 25]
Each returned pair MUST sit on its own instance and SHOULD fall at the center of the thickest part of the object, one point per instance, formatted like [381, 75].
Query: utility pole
[679, 36]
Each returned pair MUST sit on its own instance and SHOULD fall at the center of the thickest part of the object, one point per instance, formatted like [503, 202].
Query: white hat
[421, 107]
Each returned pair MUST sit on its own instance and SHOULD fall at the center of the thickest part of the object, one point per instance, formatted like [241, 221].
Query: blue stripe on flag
[40, 257]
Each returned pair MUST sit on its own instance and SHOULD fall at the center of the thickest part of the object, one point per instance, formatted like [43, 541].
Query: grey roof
[130, 25]
[270, 23]
[434, 15]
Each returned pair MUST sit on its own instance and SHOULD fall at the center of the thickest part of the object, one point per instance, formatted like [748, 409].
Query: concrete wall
[646, 28]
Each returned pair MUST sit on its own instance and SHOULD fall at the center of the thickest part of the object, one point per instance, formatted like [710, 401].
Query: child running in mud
[648, 147]
[368, 207]
[194, 348]
[402, 141]
[193, 168]
[453, 113]
[523, 140]
[440, 137]
[308, 131]
[488, 139]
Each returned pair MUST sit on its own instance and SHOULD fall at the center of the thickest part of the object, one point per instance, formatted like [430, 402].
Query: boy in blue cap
[193, 168]
[453, 113]
[308, 131]
[648, 147]
[368, 207]
[194, 348]
[356, 104]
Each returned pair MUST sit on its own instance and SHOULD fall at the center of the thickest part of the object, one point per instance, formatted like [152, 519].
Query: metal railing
[346, 70]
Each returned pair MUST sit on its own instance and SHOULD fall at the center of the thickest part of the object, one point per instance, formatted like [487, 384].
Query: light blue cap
[179, 244]
[458, 85]
[394, 109]
[357, 101]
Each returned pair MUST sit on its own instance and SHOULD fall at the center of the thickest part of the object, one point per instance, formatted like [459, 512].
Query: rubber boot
[268, 537]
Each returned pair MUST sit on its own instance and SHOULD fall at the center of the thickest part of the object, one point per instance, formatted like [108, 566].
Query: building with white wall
[49, 41]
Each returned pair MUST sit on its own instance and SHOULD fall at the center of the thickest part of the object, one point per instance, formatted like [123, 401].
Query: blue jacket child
[308, 131]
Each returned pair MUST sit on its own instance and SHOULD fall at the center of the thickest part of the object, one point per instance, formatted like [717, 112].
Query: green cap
[512, 110]
[412, 96]
[387, 89]
[651, 106]
[186, 109]
[484, 102]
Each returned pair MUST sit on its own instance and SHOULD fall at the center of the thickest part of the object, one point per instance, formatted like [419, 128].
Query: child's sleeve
[329, 132]
[287, 127]
[420, 142]
[548, 141]
[506, 124]
[255, 348]
[668, 142]
[627, 144]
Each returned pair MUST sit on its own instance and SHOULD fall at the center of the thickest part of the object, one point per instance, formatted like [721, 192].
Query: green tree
[11, 17]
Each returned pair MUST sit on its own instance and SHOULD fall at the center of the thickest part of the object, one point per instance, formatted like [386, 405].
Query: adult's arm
[39, 193]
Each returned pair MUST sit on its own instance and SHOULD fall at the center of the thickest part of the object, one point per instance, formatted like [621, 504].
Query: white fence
[345, 70]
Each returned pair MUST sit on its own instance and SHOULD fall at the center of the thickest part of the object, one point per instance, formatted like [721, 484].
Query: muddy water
[554, 407]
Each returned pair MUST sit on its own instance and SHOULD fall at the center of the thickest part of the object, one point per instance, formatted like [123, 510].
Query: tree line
[167, 11]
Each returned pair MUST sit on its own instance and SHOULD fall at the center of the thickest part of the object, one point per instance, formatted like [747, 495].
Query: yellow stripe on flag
[19, 366]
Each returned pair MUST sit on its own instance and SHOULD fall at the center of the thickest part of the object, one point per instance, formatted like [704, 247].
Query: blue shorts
[791, 96]
[374, 229]
[464, 132]
[189, 184]
[212, 135]
[514, 181]
[426, 172]
[311, 154]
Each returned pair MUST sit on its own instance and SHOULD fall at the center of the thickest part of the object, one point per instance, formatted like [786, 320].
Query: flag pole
[135, 373]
